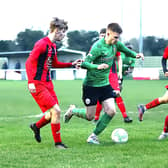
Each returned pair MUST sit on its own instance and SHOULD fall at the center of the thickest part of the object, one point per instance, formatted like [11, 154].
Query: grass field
[18, 148]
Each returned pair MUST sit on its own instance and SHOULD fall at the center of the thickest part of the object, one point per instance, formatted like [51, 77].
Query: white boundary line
[41, 114]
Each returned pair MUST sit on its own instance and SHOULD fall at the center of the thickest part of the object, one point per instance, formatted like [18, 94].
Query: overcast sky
[17, 15]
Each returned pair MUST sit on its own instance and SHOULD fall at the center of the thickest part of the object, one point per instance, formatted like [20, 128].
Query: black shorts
[93, 94]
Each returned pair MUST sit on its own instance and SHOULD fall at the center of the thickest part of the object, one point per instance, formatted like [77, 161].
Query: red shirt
[41, 59]
[114, 67]
[165, 53]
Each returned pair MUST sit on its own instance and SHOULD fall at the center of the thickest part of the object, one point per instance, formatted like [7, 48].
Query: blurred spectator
[5, 65]
[18, 66]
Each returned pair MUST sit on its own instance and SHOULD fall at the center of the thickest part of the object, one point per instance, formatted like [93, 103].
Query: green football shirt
[102, 53]
[127, 62]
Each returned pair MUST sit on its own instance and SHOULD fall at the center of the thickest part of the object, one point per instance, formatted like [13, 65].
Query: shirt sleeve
[132, 64]
[58, 64]
[39, 48]
[121, 47]
[31, 63]
[92, 55]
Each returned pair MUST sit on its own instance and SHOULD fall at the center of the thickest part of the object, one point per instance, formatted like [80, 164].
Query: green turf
[18, 149]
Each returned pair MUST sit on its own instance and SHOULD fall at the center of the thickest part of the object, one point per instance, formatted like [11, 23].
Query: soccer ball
[119, 135]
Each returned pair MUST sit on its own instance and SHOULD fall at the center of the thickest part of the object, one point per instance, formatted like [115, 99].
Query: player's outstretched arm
[77, 63]
[140, 55]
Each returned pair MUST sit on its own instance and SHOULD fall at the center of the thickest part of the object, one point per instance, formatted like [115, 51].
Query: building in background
[16, 63]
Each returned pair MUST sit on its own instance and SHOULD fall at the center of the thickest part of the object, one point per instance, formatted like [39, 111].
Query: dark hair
[103, 30]
[115, 27]
[58, 23]
[128, 45]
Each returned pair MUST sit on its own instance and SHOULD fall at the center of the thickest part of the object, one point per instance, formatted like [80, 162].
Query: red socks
[121, 106]
[165, 128]
[153, 103]
[98, 110]
[42, 122]
[55, 128]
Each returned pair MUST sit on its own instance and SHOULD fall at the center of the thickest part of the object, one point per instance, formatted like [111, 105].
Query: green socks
[79, 113]
[102, 123]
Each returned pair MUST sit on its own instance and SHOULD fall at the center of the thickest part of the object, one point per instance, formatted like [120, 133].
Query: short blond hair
[58, 23]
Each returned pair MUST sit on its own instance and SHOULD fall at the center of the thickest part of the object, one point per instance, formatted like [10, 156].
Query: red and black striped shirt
[41, 59]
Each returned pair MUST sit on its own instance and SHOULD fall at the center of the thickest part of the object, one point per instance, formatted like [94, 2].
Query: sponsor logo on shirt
[49, 62]
[107, 59]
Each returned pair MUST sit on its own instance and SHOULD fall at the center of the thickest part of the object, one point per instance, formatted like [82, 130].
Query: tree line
[79, 40]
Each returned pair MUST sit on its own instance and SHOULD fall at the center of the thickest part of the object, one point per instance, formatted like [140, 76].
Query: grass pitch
[18, 149]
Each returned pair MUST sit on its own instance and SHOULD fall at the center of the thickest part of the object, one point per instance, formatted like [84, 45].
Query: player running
[124, 65]
[38, 64]
[96, 85]
[160, 100]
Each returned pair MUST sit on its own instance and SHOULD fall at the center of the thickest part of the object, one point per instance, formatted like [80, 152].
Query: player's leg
[121, 106]
[44, 120]
[55, 126]
[85, 113]
[47, 100]
[73, 111]
[90, 101]
[164, 133]
[39, 124]
[40, 98]
[109, 112]
[154, 103]
[142, 108]
[116, 84]
[98, 110]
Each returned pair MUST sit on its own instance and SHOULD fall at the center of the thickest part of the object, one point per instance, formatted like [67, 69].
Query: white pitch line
[24, 117]
[41, 114]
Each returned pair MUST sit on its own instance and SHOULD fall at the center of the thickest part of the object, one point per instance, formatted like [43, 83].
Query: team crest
[87, 101]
